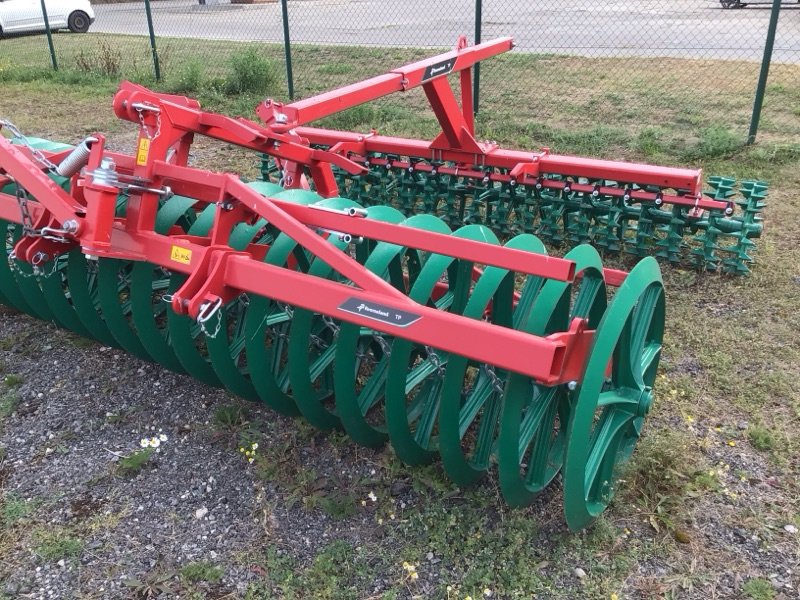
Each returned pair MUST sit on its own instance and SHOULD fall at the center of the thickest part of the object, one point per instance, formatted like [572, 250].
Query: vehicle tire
[729, 3]
[78, 22]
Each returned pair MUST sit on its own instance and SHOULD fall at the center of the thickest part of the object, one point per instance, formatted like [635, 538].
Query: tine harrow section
[437, 334]
[620, 208]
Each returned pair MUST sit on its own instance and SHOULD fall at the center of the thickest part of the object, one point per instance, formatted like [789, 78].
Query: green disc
[184, 333]
[313, 339]
[149, 284]
[472, 394]
[532, 427]
[609, 411]
[416, 373]
[363, 354]
[267, 322]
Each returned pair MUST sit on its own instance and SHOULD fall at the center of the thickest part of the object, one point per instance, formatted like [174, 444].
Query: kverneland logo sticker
[379, 312]
[440, 68]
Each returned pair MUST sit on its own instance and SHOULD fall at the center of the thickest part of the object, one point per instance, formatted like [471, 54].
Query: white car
[22, 16]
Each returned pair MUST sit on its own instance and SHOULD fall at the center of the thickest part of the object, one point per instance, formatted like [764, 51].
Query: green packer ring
[265, 317]
[411, 423]
[479, 410]
[307, 367]
[27, 283]
[145, 281]
[359, 409]
[227, 349]
[609, 413]
[533, 424]
[184, 331]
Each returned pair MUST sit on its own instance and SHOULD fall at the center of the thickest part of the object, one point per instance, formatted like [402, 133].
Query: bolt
[572, 385]
[281, 118]
[70, 226]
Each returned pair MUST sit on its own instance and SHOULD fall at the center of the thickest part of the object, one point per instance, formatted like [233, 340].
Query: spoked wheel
[416, 373]
[610, 408]
[533, 424]
[472, 397]
[363, 355]
[313, 338]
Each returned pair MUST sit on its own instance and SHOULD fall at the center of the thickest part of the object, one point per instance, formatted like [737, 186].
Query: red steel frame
[218, 274]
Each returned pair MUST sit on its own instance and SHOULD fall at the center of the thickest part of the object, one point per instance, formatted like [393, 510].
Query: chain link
[497, 383]
[140, 109]
[27, 219]
[36, 272]
[435, 360]
[37, 154]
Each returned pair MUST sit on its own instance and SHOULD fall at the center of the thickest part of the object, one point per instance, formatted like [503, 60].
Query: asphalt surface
[680, 28]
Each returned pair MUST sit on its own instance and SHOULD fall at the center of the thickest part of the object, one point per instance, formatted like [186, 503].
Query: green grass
[12, 380]
[732, 352]
[759, 589]
[196, 572]
[55, 543]
[8, 404]
[14, 509]
[134, 462]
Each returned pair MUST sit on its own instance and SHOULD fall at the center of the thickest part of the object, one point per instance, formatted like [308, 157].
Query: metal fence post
[49, 37]
[476, 83]
[287, 49]
[156, 65]
[762, 77]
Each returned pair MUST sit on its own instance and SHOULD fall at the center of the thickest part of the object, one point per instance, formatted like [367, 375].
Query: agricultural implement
[390, 287]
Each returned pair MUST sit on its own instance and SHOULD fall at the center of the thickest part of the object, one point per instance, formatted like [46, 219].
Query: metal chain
[318, 342]
[331, 324]
[386, 348]
[36, 272]
[27, 219]
[435, 360]
[218, 326]
[497, 383]
[37, 154]
[140, 108]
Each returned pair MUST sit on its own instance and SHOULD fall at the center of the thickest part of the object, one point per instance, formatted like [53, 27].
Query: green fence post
[476, 83]
[762, 77]
[49, 37]
[287, 49]
[156, 65]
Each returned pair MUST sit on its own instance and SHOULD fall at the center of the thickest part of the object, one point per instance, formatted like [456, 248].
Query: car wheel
[78, 22]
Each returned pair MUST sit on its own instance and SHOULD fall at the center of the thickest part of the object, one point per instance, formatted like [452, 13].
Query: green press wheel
[313, 339]
[472, 393]
[533, 423]
[609, 409]
[416, 373]
[268, 322]
[363, 354]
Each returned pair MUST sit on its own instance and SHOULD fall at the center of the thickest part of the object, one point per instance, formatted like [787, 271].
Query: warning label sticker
[181, 255]
[142, 152]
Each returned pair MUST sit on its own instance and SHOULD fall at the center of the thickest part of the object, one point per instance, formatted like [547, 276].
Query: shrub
[250, 72]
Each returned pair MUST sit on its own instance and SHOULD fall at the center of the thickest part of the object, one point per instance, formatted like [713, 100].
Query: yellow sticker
[144, 150]
[181, 255]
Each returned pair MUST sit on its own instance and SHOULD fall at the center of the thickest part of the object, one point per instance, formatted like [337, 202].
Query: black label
[379, 312]
[440, 68]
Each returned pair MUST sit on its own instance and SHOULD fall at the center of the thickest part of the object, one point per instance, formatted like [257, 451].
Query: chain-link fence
[575, 62]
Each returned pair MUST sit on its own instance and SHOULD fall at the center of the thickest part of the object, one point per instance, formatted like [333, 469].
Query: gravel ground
[193, 501]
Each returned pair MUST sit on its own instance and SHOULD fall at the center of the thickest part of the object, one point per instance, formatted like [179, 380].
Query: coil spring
[77, 159]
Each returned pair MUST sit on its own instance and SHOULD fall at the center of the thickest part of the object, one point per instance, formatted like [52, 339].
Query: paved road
[680, 28]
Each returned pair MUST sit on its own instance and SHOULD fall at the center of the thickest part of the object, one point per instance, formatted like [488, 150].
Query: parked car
[22, 16]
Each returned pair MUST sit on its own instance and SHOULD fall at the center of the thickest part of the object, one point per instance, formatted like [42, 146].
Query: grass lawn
[704, 506]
